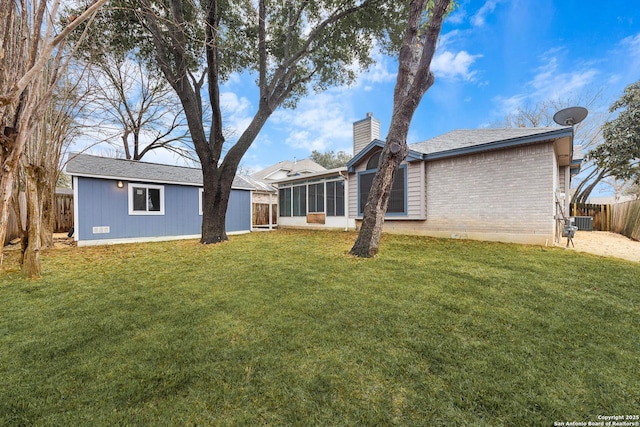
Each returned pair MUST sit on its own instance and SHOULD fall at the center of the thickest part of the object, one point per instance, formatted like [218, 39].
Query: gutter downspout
[346, 200]
[270, 212]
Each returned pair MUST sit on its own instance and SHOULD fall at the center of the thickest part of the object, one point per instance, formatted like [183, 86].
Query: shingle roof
[292, 168]
[483, 138]
[131, 170]
[312, 175]
[259, 185]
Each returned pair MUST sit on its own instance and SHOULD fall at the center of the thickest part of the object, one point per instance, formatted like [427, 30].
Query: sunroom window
[316, 197]
[284, 202]
[335, 198]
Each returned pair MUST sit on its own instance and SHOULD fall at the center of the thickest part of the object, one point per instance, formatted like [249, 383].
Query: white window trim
[147, 186]
[200, 194]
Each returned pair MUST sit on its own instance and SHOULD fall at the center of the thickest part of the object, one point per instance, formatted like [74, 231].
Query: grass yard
[285, 328]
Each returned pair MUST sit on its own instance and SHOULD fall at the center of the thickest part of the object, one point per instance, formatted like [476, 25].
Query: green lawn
[285, 328]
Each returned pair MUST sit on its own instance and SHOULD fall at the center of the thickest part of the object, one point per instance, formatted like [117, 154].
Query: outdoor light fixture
[120, 184]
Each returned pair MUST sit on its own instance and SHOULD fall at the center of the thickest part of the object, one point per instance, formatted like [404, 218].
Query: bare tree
[46, 149]
[139, 108]
[414, 79]
[32, 50]
[588, 133]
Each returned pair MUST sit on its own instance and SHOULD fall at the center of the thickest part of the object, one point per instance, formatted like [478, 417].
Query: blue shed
[122, 201]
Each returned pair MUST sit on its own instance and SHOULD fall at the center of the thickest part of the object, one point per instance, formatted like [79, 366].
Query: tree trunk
[583, 192]
[215, 199]
[414, 79]
[31, 266]
[7, 180]
[47, 195]
[368, 240]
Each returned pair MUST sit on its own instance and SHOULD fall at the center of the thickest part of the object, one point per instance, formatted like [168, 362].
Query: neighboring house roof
[287, 168]
[134, 170]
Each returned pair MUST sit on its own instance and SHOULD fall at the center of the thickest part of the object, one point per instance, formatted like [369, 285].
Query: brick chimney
[365, 131]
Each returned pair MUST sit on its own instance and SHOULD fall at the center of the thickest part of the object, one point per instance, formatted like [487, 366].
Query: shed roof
[134, 170]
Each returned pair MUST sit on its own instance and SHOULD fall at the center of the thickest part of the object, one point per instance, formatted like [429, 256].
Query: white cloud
[551, 82]
[633, 45]
[450, 66]
[631, 54]
[236, 111]
[449, 38]
[458, 16]
[320, 122]
[479, 19]
[382, 71]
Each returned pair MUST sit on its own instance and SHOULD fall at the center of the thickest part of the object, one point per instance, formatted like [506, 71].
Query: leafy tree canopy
[620, 153]
[330, 159]
[331, 54]
[291, 46]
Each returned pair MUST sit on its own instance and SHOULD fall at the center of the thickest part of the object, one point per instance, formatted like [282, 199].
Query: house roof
[288, 168]
[134, 170]
[411, 156]
[259, 185]
[313, 175]
[466, 141]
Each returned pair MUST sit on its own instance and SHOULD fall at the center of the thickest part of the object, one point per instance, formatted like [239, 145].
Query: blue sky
[493, 56]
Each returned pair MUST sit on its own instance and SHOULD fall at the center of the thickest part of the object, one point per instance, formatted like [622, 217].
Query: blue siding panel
[238, 211]
[102, 204]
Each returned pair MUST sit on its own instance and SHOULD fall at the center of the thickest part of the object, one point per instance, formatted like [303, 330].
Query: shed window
[146, 199]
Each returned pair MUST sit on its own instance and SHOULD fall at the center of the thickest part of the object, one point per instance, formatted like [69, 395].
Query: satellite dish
[570, 116]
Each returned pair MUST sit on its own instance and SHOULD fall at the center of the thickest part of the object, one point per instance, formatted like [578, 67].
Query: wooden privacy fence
[601, 214]
[63, 213]
[625, 219]
[261, 214]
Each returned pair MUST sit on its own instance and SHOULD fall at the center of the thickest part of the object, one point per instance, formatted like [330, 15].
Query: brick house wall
[501, 195]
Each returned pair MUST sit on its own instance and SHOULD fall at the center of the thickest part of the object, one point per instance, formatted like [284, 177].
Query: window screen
[300, 200]
[285, 201]
[335, 198]
[397, 198]
[316, 197]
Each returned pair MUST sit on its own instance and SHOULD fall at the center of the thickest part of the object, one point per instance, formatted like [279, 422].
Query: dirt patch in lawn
[606, 244]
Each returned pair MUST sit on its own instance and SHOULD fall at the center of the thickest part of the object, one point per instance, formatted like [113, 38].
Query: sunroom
[315, 200]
